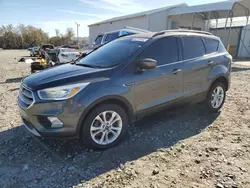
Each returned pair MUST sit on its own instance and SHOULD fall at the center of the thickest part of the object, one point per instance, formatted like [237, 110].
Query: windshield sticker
[139, 39]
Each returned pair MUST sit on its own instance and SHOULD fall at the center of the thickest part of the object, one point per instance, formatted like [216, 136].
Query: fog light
[55, 122]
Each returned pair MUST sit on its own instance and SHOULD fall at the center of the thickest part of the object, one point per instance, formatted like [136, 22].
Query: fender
[218, 72]
[130, 111]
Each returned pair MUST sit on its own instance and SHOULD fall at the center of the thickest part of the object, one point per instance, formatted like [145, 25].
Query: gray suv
[97, 97]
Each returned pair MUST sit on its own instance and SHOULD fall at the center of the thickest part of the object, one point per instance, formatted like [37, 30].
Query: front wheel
[104, 126]
[216, 97]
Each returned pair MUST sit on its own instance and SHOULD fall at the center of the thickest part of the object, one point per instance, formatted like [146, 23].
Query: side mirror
[147, 64]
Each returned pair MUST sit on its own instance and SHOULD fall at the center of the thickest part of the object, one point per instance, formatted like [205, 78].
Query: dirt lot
[181, 148]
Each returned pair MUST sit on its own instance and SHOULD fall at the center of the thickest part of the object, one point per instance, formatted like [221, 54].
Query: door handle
[210, 62]
[176, 71]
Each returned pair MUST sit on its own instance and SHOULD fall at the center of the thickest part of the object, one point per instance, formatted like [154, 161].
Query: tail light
[230, 58]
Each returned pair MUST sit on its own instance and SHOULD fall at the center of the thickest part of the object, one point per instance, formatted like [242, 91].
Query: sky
[61, 14]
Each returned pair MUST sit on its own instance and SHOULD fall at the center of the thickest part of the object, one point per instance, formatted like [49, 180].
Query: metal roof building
[152, 20]
[179, 16]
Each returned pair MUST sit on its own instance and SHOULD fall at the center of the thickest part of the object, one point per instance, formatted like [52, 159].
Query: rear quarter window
[212, 45]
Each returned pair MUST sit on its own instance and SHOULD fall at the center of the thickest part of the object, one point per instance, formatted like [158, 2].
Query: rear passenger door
[195, 65]
[164, 83]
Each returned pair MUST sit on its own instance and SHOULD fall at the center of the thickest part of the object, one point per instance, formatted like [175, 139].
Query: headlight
[61, 92]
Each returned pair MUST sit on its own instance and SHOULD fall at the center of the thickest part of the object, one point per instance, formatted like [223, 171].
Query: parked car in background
[43, 49]
[29, 49]
[97, 42]
[99, 96]
[51, 57]
[112, 35]
[67, 55]
[34, 51]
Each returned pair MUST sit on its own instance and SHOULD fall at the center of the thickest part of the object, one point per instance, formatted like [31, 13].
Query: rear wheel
[104, 126]
[216, 97]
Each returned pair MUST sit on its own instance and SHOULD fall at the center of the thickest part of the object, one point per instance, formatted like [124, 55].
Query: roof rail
[136, 29]
[182, 30]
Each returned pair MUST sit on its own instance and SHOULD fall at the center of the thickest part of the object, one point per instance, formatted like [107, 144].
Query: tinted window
[111, 36]
[164, 51]
[193, 47]
[211, 45]
[98, 40]
[130, 33]
[113, 53]
[126, 33]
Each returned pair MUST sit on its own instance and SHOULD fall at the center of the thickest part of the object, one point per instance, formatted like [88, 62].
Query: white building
[183, 16]
[152, 20]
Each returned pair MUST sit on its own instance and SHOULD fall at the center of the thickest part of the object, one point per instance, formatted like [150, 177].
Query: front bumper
[30, 127]
[40, 118]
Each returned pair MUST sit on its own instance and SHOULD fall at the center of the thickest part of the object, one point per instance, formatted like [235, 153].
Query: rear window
[211, 45]
[111, 36]
[193, 47]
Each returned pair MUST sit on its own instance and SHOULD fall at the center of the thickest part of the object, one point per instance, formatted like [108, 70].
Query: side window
[193, 47]
[128, 33]
[123, 33]
[211, 45]
[164, 51]
[111, 36]
[98, 40]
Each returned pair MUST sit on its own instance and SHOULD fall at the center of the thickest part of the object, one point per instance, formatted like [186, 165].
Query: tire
[92, 122]
[209, 102]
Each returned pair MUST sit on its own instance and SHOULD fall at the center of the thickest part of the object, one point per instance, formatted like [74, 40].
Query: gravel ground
[185, 147]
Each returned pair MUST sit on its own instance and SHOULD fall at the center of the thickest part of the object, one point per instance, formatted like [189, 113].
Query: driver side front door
[157, 87]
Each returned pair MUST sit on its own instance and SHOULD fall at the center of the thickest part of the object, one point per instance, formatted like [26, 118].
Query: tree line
[22, 37]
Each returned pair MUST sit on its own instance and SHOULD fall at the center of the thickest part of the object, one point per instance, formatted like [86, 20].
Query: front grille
[25, 97]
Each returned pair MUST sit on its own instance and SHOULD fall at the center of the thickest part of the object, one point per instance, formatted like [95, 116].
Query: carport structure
[213, 11]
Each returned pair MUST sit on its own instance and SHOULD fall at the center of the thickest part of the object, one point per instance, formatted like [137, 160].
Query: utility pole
[77, 31]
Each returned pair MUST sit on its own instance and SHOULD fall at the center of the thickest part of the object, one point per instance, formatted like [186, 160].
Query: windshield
[113, 53]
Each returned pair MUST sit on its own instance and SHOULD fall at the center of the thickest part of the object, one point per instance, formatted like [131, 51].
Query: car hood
[63, 75]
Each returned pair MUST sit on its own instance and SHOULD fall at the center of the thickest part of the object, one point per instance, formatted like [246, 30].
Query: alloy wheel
[217, 97]
[106, 127]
